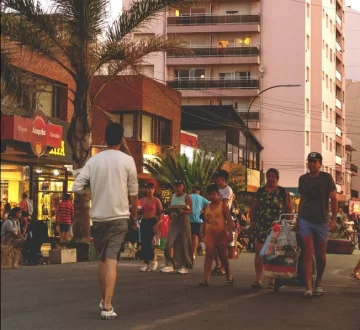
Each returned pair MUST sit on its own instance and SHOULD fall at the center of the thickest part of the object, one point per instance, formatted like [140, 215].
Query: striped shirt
[65, 213]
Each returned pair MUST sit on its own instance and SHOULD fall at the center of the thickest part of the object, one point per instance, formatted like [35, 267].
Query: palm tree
[196, 172]
[75, 35]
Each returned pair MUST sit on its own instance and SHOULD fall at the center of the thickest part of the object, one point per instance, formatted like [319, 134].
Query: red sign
[36, 131]
[38, 135]
[189, 139]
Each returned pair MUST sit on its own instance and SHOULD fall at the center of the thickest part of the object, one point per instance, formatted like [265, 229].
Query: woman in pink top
[151, 209]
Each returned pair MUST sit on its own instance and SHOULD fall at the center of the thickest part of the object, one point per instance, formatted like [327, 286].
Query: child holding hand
[218, 234]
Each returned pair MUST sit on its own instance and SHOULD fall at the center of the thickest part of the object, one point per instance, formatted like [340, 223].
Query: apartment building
[240, 48]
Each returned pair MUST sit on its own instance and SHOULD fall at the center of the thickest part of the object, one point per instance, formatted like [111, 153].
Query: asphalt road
[67, 297]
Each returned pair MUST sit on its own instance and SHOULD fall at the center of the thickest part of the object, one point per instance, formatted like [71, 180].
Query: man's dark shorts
[195, 228]
[64, 228]
[108, 238]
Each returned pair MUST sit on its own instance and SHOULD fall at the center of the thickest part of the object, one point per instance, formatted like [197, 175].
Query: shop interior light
[56, 172]
[38, 170]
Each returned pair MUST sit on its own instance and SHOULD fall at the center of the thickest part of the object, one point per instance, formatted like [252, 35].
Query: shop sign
[36, 131]
[38, 136]
[58, 151]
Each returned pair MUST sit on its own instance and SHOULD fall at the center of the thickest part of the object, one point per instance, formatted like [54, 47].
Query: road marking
[185, 316]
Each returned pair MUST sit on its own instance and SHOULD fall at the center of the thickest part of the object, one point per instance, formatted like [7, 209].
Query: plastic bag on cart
[268, 249]
[286, 244]
[281, 267]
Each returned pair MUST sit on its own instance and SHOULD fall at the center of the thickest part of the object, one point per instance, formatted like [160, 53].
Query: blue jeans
[317, 230]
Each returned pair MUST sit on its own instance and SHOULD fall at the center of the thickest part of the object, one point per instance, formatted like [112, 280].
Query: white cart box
[62, 256]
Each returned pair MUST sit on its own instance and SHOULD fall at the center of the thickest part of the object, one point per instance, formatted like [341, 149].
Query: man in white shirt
[227, 196]
[112, 177]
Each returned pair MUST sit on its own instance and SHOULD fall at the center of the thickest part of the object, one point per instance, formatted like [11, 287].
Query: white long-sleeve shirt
[112, 177]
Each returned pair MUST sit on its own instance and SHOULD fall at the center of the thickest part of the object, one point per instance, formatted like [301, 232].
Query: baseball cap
[149, 185]
[315, 156]
[222, 173]
[177, 182]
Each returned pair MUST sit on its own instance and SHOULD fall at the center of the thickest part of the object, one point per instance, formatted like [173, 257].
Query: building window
[327, 51]
[163, 136]
[323, 138]
[331, 55]
[331, 115]
[308, 42]
[127, 121]
[229, 152]
[308, 10]
[331, 85]
[331, 26]
[330, 145]
[307, 138]
[327, 81]
[241, 155]
[307, 105]
[146, 128]
[327, 112]
[327, 142]
[323, 107]
[49, 100]
[235, 150]
[327, 20]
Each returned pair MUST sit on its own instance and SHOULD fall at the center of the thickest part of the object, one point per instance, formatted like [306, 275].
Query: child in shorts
[218, 234]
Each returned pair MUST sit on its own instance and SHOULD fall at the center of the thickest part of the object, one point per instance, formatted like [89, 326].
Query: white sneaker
[167, 269]
[108, 315]
[145, 268]
[101, 305]
[183, 270]
[154, 266]
[194, 257]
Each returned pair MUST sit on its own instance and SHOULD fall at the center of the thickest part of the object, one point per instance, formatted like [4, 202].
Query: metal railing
[338, 103]
[338, 131]
[353, 168]
[338, 19]
[211, 83]
[211, 51]
[209, 19]
[338, 75]
[338, 47]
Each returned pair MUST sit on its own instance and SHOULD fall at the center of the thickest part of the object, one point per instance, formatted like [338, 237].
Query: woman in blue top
[178, 248]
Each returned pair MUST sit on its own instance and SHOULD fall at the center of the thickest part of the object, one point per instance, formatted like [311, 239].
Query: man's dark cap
[315, 156]
[222, 173]
[149, 185]
[177, 182]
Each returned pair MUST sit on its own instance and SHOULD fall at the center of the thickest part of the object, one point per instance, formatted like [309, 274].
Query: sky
[355, 4]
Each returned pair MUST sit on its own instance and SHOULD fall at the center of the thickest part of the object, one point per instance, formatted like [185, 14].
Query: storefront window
[14, 182]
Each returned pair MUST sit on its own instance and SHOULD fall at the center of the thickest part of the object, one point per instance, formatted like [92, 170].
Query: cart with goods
[282, 254]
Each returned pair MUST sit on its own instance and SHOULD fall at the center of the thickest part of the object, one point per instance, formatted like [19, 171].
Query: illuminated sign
[58, 151]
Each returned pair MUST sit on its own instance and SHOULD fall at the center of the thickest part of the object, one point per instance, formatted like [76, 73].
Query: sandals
[355, 275]
[203, 284]
[217, 271]
[308, 294]
[256, 286]
[229, 282]
[271, 286]
[319, 291]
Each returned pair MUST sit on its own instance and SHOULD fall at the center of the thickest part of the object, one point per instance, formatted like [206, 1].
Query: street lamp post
[247, 127]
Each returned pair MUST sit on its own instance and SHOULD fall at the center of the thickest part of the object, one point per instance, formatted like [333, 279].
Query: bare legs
[107, 280]
[209, 257]
[259, 265]
[195, 242]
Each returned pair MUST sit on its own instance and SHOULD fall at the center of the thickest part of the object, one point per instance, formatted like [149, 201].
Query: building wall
[136, 93]
[353, 124]
[352, 47]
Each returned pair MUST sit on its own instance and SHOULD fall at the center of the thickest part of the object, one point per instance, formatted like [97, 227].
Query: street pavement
[67, 297]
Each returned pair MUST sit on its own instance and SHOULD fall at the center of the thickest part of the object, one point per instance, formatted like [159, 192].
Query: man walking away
[26, 204]
[198, 204]
[315, 189]
[65, 217]
[112, 177]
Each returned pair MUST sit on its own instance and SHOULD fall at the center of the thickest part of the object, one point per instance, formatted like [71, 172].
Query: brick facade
[140, 94]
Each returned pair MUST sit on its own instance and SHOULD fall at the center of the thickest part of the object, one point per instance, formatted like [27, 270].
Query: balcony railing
[338, 47]
[338, 75]
[213, 19]
[353, 168]
[209, 51]
[338, 103]
[210, 83]
[338, 160]
[338, 19]
[338, 131]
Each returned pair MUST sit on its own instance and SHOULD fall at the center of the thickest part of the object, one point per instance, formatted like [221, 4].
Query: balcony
[213, 23]
[351, 167]
[198, 87]
[338, 20]
[254, 118]
[338, 160]
[338, 103]
[207, 55]
[338, 75]
[338, 188]
[338, 131]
